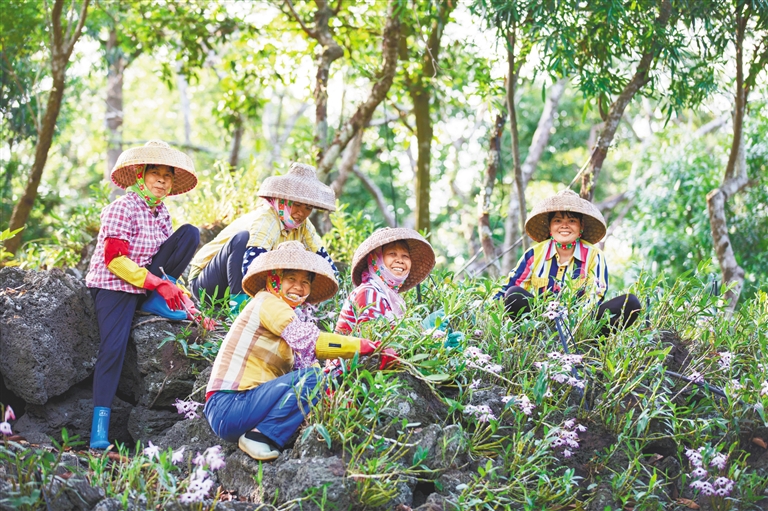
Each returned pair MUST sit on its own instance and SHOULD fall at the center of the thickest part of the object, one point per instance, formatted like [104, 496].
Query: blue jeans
[271, 407]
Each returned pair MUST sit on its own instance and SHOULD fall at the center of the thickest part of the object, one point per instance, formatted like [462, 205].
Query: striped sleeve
[264, 231]
[520, 276]
[598, 274]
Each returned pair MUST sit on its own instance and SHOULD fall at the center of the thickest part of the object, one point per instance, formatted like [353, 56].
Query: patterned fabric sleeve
[364, 304]
[117, 221]
[302, 336]
[598, 271]
[519, 276]
[250, 254]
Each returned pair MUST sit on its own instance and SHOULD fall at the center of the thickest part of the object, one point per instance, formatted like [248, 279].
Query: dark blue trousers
[271, 407]
[225, 269]
[115, 309]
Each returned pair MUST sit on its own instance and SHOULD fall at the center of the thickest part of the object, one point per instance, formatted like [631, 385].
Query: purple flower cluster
[5, 426]
[522, 401]
[188, 408]
[476, 358]
[764, 388]
[200, 482]
[696, 377]
[721, 486]
[482, 413]
[568, 437]
[559, 368]
[725, 360]
[554, 310]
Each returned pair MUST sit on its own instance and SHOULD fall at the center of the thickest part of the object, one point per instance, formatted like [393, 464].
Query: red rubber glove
[194, 315]
[388, 356]
[368, 346]
[173, 295]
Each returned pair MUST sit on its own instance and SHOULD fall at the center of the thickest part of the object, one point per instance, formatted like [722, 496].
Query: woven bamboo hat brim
[155, 152]
[537, 225]
[291, 255]
[422, 255]
[300, 184]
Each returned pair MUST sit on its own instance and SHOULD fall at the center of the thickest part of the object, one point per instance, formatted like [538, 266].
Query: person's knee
[241, 239]
[632, 303]
[190, 233]
[516, 299]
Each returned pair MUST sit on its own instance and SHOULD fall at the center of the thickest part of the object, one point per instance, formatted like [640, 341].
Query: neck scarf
[143, 190]
[565, 246]
[275, 286]
[283, 209]
[385, 282]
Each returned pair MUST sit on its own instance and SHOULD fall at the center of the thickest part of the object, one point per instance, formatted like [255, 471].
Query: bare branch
[377, 194]
[309, 32]
[80, 23]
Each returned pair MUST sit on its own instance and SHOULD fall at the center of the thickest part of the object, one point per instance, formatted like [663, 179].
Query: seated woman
[266, 371]
[281, 216]
[566, 227]
[388, 263]
[137, 251]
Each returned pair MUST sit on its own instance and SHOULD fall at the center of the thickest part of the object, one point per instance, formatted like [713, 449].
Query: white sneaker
[257, 450]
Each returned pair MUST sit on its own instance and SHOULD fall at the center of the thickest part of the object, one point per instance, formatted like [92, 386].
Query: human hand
[368, 346]
[172, 295]
[388, 356]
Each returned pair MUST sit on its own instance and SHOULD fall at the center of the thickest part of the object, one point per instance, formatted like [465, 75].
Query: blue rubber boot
[100, 428]
[236, 302]
[155, 304]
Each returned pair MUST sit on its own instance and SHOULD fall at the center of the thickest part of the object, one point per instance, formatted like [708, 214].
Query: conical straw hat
[537, 225]
[291, 255]
[300, 184]
[155, 152]
[422, 255]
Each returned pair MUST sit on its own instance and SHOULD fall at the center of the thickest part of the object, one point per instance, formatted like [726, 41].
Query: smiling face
[564, 228]
[296, 284]
[159, 179]
[300, 212]
[397, 258]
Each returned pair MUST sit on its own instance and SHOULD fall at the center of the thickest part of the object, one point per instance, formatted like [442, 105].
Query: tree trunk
[424, 133]
[420, 89]
[331, 52]
[61, 49]
[237, 138]
[484, 202]
[113, 116]
[513, 226]
[364, 112]
[512, 71]
[322, 220]
[735, 178]
[348, 162]
[181, 83]
[616, 111]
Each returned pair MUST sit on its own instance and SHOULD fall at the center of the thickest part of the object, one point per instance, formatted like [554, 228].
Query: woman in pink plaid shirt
[137, 250]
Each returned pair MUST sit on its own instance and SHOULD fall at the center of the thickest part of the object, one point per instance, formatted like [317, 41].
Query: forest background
[450, 116]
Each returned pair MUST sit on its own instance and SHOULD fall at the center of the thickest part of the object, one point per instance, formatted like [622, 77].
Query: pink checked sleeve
[117, 221]
[302, 336]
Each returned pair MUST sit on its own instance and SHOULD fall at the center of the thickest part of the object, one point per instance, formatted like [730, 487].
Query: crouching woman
[266, 373]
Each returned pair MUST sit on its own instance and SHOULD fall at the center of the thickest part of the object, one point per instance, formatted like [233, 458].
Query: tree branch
[80, 23]
[377, 194]
[379, 90]
[309, 32]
